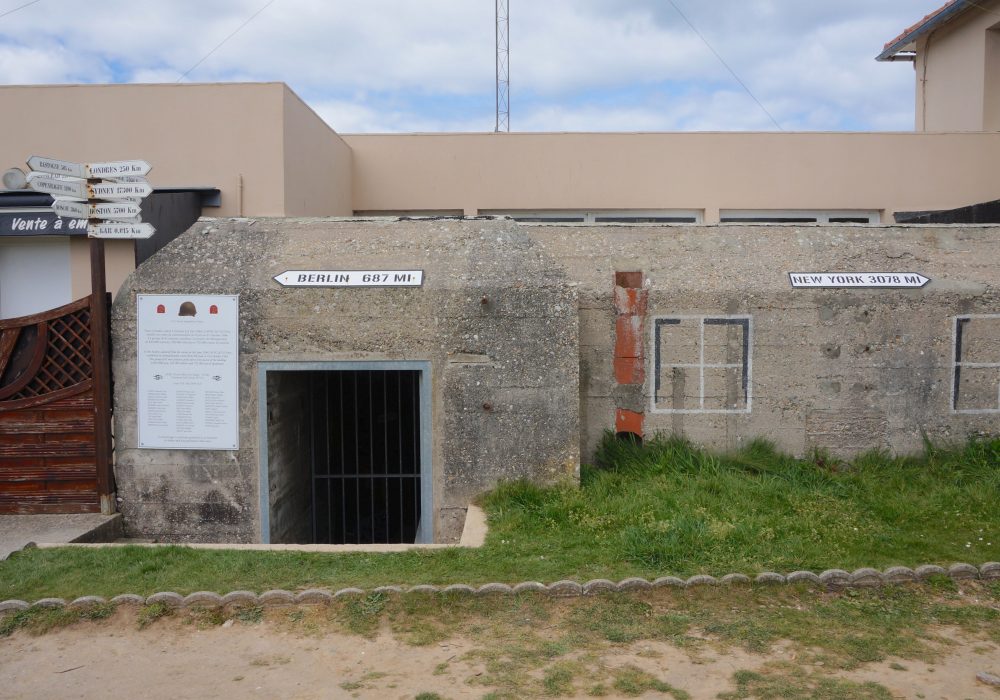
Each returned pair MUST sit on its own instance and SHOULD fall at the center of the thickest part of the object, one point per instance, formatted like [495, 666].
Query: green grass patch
[666, 507]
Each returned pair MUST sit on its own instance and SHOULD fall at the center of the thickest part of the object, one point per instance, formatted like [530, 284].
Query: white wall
[34, 275]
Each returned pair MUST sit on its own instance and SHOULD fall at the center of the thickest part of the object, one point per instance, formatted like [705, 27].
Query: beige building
[269, 154]
[956, 58]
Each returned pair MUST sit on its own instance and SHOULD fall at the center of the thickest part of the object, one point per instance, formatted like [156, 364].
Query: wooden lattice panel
[47, 417]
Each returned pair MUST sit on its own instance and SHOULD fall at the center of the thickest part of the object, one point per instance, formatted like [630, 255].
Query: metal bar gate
[365, 456]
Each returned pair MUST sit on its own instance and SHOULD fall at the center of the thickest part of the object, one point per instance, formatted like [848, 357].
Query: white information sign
[858, 279]
[111, 170]
[188, 371]
[119, 211]
[113, 230]
[350, 278]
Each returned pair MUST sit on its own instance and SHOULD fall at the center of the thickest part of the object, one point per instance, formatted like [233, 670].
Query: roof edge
[922, 28]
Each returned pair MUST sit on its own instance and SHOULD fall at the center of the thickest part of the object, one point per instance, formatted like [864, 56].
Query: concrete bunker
[529, 343]
[449, 385]
[347, 455]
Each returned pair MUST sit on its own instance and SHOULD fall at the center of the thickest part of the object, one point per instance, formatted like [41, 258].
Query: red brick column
[630, 300]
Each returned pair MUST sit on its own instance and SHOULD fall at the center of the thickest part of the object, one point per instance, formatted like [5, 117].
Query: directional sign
[350, 278]
[76, 189]
[119, 190]
[118, 168]
[120, 230]
[119, 211]
[56, 167]
[109, 170]
[857, 279]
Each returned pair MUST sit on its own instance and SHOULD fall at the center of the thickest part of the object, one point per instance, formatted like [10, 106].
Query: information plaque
[188, 367]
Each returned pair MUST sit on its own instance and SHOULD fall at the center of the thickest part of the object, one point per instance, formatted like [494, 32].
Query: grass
[663, 508]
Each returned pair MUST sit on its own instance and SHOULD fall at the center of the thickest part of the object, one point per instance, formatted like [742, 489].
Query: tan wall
[119, 261]
[317, 163]
[954, 89]
[193, 135]
[709, 171]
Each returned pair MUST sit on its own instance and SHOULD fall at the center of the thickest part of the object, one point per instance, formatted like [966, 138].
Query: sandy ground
[113, 658]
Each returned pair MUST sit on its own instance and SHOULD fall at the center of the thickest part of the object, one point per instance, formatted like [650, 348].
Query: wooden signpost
[108, 196]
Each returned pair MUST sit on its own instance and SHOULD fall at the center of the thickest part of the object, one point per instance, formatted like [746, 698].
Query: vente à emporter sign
[858, 280]
[350, 278]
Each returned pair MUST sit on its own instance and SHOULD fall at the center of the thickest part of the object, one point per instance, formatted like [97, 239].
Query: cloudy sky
[428, 65]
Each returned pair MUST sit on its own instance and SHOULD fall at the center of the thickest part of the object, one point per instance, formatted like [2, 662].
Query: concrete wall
[496, 318]
[841, 369]
[707, 171]
[290, 472]
[538, 344]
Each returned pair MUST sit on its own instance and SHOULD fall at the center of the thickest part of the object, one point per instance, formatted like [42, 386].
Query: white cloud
[811, 64]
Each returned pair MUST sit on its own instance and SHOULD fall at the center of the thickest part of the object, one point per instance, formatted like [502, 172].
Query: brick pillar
[630, 300]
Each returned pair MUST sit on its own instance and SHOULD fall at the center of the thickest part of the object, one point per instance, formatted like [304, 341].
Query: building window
[976, 364]
[797, 216]
[606, 216]
[701, 364]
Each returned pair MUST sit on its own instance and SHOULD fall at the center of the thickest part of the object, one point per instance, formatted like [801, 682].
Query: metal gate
[366, 456]
[355, 437]
[54, 419]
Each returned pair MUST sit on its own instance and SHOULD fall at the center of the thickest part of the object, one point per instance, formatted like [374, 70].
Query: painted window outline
[957, 364]
[744, 320]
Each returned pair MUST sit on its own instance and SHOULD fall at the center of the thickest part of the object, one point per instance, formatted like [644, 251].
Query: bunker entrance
[345, 463]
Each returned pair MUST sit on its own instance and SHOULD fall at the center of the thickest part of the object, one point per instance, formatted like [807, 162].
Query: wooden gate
[54, 430]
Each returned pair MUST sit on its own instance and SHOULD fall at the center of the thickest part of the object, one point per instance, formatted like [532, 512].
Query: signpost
[124, 230]
[350, 278]
[857, 280]
[117, 211]
[104, 194]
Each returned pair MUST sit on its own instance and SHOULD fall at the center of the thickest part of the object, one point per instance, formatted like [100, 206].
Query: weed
[252, 614]
[428, 696]
[151, 613]
[633, 681]
[787, 682]
[558, 679]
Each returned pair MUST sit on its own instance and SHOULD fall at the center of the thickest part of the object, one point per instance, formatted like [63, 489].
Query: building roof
[902, 47]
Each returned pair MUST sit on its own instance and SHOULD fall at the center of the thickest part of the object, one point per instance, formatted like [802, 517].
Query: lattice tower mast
[503, 65]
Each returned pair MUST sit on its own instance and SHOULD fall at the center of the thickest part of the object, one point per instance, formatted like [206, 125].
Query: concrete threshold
[20, 531]
[473, 536]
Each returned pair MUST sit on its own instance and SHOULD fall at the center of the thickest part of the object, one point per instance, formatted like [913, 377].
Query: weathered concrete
[520, 326]
[496, 318]
[17, 531]
[845, 370]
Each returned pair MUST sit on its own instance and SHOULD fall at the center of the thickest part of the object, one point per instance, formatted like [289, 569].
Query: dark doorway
[344, 449]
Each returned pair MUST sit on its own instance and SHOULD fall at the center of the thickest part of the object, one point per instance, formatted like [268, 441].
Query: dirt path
[176, 659]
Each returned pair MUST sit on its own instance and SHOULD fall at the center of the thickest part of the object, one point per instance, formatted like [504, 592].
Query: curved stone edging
[831, 579]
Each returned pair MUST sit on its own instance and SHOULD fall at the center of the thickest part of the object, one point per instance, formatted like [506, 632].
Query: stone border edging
[831, 579]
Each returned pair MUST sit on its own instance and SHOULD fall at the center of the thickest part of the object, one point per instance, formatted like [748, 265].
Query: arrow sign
[120, 211]
[350, 278]
[883, 280]
[56, 167]
[120, 230]
[77, 189]
[112, 169]
[118, 168]
[120, 190]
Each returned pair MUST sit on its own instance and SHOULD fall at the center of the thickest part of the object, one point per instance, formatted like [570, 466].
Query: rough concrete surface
[16, 531]
[519, 325]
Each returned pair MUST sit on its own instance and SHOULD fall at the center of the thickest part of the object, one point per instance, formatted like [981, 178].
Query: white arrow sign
[350, 278]
[120, 230]
[119, 190]
[111, 170]
[119, 211]
[858, 279]
[76, 189]
[118, 168]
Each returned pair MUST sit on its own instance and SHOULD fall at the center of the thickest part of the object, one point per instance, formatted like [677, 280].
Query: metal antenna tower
[503, 65]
